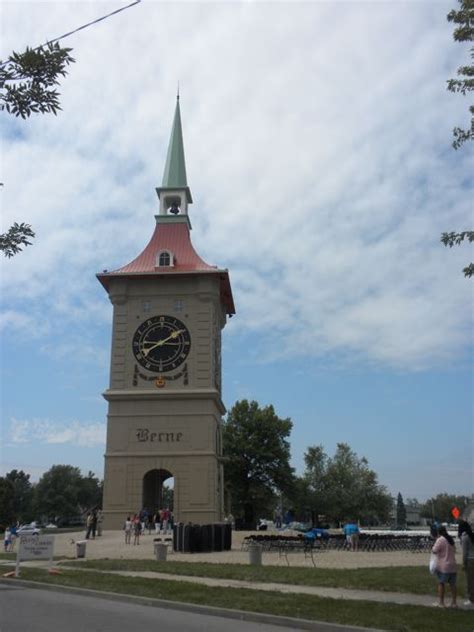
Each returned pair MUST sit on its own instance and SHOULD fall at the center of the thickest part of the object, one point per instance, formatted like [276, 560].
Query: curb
[240, 615]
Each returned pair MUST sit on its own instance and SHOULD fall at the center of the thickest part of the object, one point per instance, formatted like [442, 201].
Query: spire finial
[177, 93]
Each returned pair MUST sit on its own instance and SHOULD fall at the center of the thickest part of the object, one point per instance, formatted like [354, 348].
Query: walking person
[351, 531]
[94, 523]
[156, 520]
[89, 521]
[7, 540]
[13, 536]
[445, 566]
[164, 520]
[467, 546]
[137, 529]
[127, 527]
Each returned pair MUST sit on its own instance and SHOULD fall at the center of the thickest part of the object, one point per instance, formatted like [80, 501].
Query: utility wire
[84, 26]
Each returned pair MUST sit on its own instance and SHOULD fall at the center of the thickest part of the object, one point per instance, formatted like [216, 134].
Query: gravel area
[111, 545]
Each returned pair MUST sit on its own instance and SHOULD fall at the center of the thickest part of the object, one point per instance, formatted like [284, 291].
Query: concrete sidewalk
[317, 591]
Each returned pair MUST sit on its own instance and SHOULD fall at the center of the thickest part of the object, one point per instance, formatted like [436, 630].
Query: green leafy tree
[455, 239]
[439, 507]
[28, 80]
[463, 32]
[168, 497]
[22, 495]
[90, 493]
[257, 459]
[28, 84]
[63, 492]
[401, 512]
[7, 493]
[344, 487]
[316, 462]
[16, 237]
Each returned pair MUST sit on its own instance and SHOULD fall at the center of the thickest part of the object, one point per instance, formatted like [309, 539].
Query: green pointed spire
[174, 176]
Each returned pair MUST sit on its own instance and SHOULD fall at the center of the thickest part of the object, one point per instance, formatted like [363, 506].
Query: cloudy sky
[318, 150]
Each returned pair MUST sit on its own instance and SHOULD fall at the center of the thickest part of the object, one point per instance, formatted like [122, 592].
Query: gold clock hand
[173, 335]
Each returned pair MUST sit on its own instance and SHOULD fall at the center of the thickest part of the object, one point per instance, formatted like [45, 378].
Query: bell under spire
[174, 193]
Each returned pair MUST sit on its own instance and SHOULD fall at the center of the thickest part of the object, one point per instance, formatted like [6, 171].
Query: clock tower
[164, 398]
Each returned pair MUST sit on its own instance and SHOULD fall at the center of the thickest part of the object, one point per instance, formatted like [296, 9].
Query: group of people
[445, 563]
[160, 522]
[93, 523]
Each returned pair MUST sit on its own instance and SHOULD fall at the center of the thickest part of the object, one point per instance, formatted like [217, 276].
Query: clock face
[161, 343]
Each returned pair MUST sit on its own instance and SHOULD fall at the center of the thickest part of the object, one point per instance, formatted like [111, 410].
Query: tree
[464, 32]
[17, 236]
[257, 458]
[22, 495]
[90, 492]
[28, 80]
[28, 85]
[316, 461]
[455, 239]
[168, 497]
[401, 512]
[439, 507]
[7, 515]
[344, 487]
[63, 492]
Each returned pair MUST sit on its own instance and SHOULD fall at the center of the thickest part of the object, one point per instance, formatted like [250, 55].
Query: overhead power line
[84, 26]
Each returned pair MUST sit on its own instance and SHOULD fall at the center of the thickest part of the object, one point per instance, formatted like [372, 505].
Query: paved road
[24, 609]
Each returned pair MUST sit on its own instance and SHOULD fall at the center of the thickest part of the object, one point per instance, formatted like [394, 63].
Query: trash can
[255, 554]
[81, 548]
[161, 551]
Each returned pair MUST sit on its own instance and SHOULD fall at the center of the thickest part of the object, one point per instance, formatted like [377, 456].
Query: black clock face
[161, 343]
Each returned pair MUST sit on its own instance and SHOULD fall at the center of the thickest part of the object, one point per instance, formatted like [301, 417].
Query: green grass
[409, 579]
[363, 613]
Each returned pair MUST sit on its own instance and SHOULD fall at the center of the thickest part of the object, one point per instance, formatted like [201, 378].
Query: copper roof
[175, 238]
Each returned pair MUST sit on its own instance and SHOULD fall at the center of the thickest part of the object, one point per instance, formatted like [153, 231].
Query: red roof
[175, 238]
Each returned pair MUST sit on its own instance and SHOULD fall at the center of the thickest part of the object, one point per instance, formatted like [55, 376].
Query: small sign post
[34, 547]
[455, 512]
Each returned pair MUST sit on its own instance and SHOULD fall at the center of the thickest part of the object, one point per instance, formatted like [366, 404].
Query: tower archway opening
[155, 493]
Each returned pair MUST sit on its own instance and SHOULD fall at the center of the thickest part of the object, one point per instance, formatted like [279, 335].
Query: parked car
[29, 529]
[51, 526]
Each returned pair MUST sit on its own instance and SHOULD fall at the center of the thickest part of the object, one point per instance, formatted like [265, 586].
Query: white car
[51, 526]
[28, 529]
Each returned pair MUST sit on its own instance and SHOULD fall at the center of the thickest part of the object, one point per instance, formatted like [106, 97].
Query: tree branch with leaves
[463, 32]
[28, 86]
[28, 80]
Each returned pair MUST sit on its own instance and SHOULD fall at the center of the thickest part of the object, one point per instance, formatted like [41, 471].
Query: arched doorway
[155, 493]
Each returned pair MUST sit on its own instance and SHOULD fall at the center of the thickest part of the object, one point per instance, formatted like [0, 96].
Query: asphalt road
[24, 609]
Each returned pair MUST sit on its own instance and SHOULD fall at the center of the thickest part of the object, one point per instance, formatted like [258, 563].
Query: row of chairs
[337, 542]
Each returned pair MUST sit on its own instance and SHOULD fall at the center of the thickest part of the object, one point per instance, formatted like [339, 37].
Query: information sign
[34, 547]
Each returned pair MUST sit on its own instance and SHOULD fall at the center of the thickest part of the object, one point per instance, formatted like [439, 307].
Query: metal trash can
[81, 548]
[255, 554]
[161, 551]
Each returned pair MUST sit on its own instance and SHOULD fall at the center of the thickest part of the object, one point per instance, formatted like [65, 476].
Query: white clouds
[317, 143]
[45, 431]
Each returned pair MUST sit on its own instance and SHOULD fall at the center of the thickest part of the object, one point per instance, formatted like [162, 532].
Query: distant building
[413, 511]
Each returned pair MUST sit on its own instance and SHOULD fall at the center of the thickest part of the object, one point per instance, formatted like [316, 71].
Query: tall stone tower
[165, 406]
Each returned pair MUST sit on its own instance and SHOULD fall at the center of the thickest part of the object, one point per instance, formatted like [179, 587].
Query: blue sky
[317, 139]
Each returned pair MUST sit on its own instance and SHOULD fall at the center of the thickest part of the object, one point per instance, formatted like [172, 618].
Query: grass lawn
[363, 613]
[409, 579]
